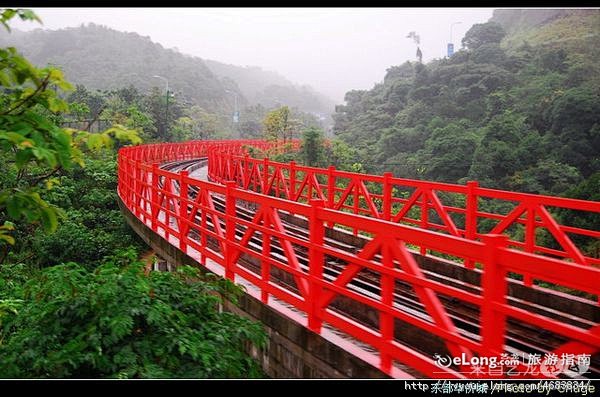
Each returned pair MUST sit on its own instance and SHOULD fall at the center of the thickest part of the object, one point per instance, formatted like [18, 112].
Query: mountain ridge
[104, 58]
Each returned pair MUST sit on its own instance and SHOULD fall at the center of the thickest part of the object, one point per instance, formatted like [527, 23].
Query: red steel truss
[392, 199]
[394, 214]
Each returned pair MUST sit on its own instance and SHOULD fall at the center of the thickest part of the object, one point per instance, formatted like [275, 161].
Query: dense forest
[517, 108]
[105, 59]
[101, 58]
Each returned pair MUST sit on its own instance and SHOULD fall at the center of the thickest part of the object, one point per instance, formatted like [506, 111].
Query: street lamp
[167, 107]
[451, 44]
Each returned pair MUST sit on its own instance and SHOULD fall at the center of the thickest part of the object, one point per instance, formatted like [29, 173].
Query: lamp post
[451, 44]
[167, 105]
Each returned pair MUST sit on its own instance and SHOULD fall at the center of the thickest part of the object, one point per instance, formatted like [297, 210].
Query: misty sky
[332, 49]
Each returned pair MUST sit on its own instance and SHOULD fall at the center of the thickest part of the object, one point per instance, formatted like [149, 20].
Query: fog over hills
[103, 58]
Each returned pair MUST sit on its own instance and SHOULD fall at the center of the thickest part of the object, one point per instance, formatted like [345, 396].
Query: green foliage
[93, 226]
[315, 151]
[120, 322]
[507, 146]
[513, 111]
[483, 33]
[9, 13]
[312, 147]
[30, 206]
[12, 279]
[450, 151]
[106, 317]
[252, 122]
[5, 229]
[94, 103]
[196, 124]
[545, 177]
[8, 307]
[341, 155]
[147, 115]
[32, 145]
[79, 110]
[588, 189]
[575, 126]
[517, 112]
[278, 124]
[574, 31]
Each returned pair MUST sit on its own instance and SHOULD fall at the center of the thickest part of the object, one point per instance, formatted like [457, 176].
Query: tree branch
[92, 121]
[45, 176]
[5, 252]
[41, 87]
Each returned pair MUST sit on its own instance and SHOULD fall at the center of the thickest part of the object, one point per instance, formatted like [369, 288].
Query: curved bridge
[392, 270]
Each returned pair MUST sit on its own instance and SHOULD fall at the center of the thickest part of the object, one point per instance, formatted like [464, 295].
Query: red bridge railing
[419, 203]
[203, 229]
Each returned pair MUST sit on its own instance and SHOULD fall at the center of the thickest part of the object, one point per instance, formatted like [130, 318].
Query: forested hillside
[517, 108]
[106, 59]
[270, 88]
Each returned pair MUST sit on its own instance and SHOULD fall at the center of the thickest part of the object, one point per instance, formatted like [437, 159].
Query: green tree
[588, 189]
[515, 111]
[164, 119]
[483, 33]
[312, 150]
[196, 124]
[449, 151]
[278, 124]
[86, 321]
[546, 177]
[575, 121]
[341, 155]
[125, 107]
[94, 102]
[93, 226]
[508, 145]
[251, 122]
[121, 322]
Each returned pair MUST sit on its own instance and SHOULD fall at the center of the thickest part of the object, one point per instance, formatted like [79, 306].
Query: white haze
[332, 49]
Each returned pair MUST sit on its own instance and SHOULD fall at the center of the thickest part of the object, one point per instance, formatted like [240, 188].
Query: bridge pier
[162, 265]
